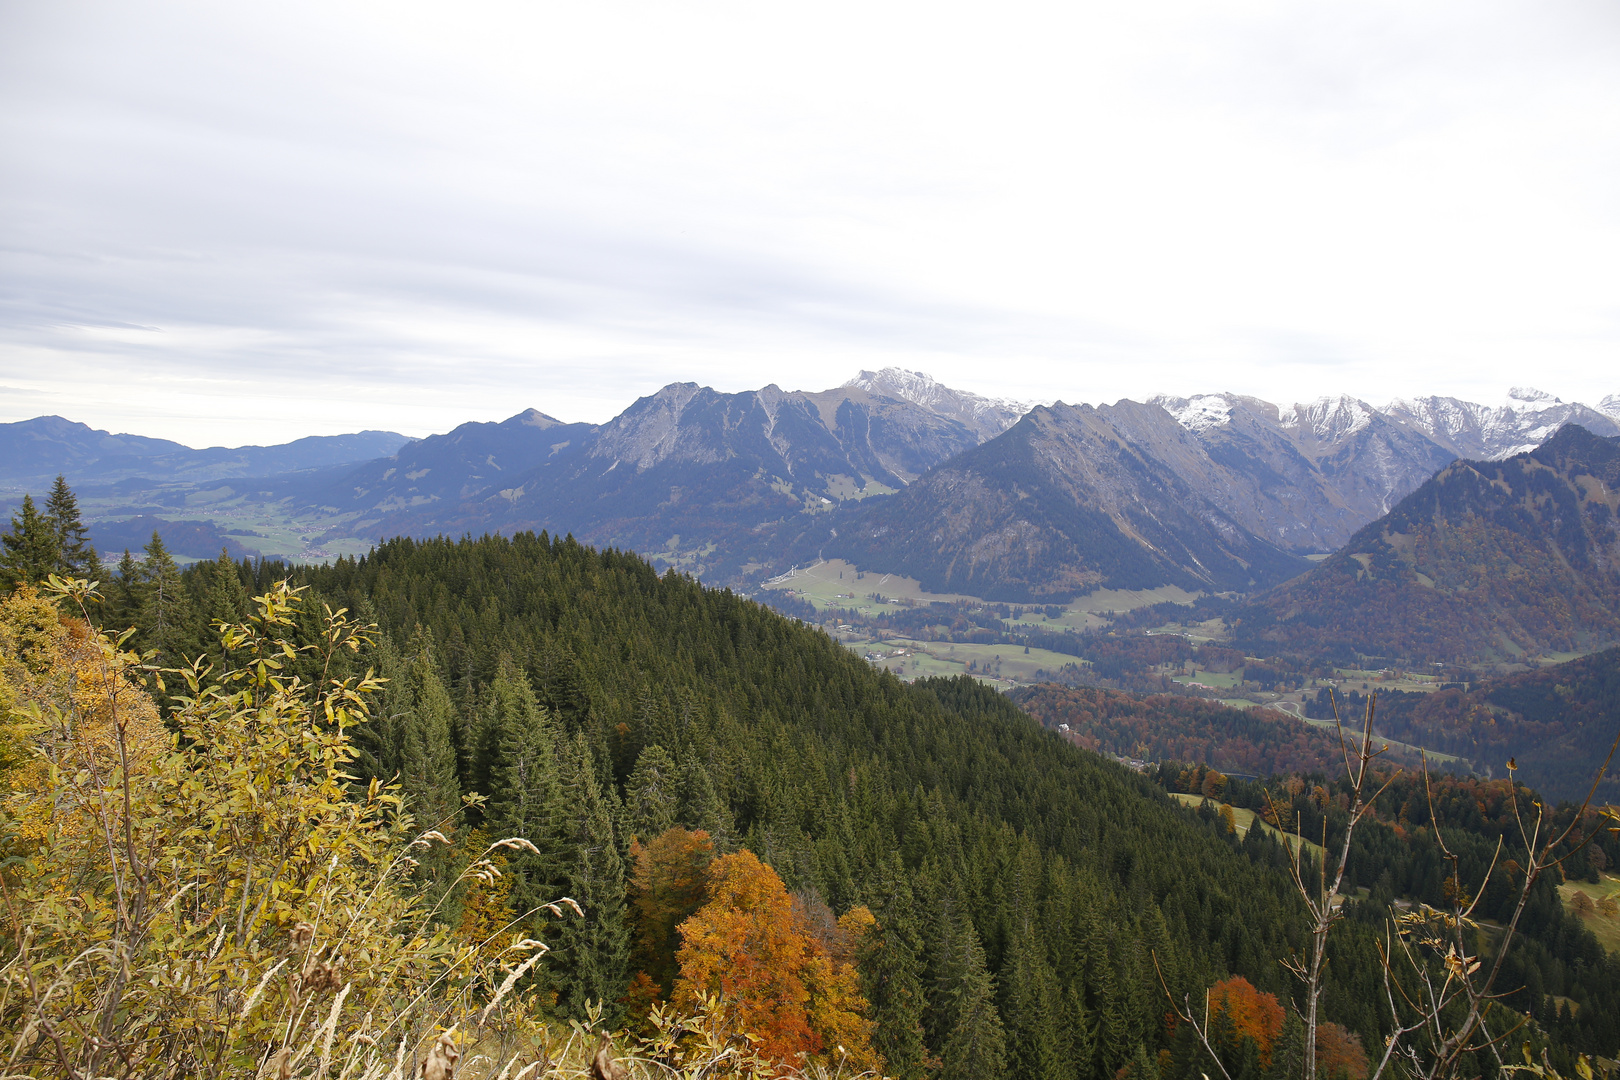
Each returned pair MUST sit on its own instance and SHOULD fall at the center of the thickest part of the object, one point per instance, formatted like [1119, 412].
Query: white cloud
[408, 215]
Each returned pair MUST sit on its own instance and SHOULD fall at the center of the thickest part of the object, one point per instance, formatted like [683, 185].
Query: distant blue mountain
[33, 452]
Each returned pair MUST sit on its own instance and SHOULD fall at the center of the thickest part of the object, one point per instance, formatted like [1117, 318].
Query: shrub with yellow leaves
[215, 900]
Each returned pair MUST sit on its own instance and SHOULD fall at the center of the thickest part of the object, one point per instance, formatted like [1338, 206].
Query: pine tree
[30, 550]
[76, 555]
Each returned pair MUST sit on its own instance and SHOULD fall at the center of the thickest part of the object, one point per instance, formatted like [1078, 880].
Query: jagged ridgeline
[991, 853]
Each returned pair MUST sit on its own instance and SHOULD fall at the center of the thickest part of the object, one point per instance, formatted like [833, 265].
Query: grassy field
[1245, 820]
[999, 665]
[1605, 927]
[839, 584]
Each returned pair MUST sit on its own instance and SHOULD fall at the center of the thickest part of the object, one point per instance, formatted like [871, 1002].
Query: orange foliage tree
[1252, 1012]
[751, 945]
[1339, 1055]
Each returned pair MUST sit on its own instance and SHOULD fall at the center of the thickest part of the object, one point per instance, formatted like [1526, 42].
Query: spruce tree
[590, 962]
[525, 798]
[30, 550]
[652, 794]
[166, 615]
[427, 758]
[127, 593]
[891, 974]
[76, 555]
[700, 805]
[1288, 1055]
[975, 1045]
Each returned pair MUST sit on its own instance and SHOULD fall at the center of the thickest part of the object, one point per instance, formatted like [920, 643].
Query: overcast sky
[229, 223]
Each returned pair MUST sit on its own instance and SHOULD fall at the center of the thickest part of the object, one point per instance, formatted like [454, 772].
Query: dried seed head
[302, 934]
[571, 902]
[515, 842]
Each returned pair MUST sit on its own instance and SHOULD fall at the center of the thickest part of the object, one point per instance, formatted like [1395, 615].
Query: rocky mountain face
[33, 452]
[1071, 498]
[1526, 420]
[1487, 559]
[688, 475]
[1307, 476]
[988, 417]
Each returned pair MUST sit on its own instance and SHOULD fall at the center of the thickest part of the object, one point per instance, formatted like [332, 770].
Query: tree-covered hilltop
[992, 854]
[1021, 886]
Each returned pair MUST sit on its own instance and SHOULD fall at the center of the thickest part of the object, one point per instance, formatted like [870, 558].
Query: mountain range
[33, 452]
[1216, 492]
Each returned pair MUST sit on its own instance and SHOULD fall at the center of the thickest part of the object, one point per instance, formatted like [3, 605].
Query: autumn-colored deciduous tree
[754, 948]
[1581, 905]
[666, 887]
[1339, 1055]
[1253, 1013]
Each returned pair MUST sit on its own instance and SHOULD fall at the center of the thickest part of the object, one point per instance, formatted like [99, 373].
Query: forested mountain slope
[1500, 558]
[952, 815]
[1557, 723]
[1022, 885]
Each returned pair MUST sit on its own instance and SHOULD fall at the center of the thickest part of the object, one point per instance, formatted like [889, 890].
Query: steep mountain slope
[1308, 476]
[988, 417]
[1504, 558]
[688, 474]
[33, 452]
[1526, 420]
[1069, 499]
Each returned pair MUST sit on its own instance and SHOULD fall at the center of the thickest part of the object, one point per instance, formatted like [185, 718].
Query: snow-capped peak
[1329, 418]
[1198, 413]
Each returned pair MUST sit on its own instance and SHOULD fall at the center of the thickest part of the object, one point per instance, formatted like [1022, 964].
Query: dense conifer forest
[991, 853]
[1008, 901]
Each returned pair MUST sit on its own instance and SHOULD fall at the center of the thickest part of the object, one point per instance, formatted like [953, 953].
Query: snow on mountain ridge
[988, 416]
[1329, 418]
